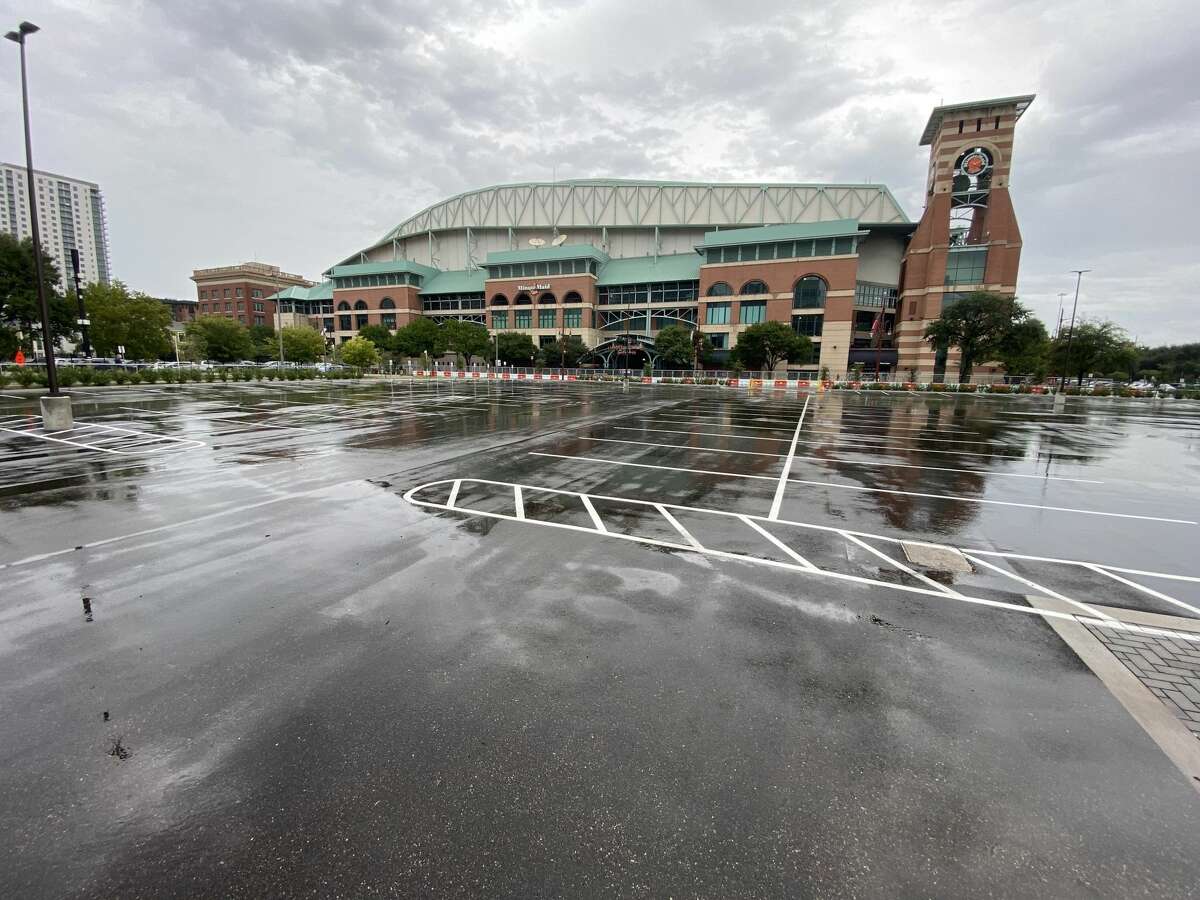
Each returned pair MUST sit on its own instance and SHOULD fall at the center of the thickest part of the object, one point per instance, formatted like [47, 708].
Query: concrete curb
[1172, 737]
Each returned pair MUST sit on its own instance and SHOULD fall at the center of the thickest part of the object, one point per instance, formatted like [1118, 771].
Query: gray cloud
[299, 131]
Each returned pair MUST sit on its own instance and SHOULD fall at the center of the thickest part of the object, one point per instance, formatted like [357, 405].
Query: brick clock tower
[967, 239]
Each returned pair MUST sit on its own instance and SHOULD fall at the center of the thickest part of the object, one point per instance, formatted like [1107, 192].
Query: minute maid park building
[615, 261]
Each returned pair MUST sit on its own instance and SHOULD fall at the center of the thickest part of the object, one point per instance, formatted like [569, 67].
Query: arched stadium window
[499, 300]
[572, 297]
[387, 303]
[809, 293]
[754, 287]
[343, 305]
[522, 300]
[720, 289]
[547, 298]
[360, 304]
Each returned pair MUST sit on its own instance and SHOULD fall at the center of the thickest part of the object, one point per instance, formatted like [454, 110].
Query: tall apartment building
[70, 217]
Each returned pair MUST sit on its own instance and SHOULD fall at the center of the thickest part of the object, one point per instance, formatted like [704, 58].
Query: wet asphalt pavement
[290, 680]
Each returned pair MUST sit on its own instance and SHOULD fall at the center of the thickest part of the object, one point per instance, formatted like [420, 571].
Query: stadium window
[522, 300]
[500, 319]
[720, 289]
[523, 318]
[343, 323]
[360, 304]
[387, 303]
[545, 318]
[823, 247]
[809, 293]
[572, 297]
[547, 298]
[499, 300]
[343, 305]
[717, 314]
[752, 312]
[388, 321]
[754, 287]
[718, 340]
[809, 326]
[843, 246]
[361, 320]
[572, 318]
[966, 266]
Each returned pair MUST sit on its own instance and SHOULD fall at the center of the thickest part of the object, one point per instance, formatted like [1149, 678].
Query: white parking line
[857, 487]
[778, 543]
[1099, 620]
[1146, 590]
[839, 460]
[787, 466]
[945, 589]
[836, 432]
[687, 536]
[825, 442]
[1040, 588]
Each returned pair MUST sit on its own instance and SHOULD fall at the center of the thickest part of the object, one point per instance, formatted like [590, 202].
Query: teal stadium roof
[644, 269]
[460, 281]
[769, 234]
[542, 254]
[381, 268]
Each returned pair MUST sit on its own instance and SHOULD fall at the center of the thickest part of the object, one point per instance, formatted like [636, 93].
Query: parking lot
[513, 639]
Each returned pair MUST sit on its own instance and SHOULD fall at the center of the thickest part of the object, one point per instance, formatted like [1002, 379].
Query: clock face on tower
[974, 162]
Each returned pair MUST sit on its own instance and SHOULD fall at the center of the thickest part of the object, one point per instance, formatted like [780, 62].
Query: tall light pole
[1071, 332]
[1058, 325]
[18, 37]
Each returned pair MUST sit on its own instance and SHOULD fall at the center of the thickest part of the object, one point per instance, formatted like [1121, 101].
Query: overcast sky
[298, 132]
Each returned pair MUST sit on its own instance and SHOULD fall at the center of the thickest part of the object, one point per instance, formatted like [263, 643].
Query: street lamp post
[1071, 331]
[56, 409]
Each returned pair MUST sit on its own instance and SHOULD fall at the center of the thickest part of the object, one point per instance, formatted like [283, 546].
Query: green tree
[379, 336]
[766, 345]
[218, 339]
[1025, 350]
[978, 325]
[516, 349]
[467, 338]
[302, 344]
[1178, 362]
[18, 292]
[674, 347]
[420, 336]
[266, 346]
[1094, 347]
[124, 318]
[565, 352]
[360, 353]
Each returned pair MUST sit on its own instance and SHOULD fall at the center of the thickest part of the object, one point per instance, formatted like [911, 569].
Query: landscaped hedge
[71, 376]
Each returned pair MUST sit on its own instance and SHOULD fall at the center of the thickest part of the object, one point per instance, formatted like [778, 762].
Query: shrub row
[69, 376]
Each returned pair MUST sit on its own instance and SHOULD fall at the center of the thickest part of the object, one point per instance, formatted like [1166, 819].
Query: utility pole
[1071, 333]
[56, 409]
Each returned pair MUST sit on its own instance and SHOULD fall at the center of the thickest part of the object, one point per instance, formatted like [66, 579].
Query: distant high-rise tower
[967, 239]
[70, 217]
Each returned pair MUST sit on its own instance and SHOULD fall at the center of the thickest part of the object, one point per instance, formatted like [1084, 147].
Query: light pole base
[56, 413]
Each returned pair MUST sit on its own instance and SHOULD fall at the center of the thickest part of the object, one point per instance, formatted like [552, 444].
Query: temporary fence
[763, 381]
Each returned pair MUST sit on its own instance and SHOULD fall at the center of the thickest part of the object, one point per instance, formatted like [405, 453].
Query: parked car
[329, 367]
